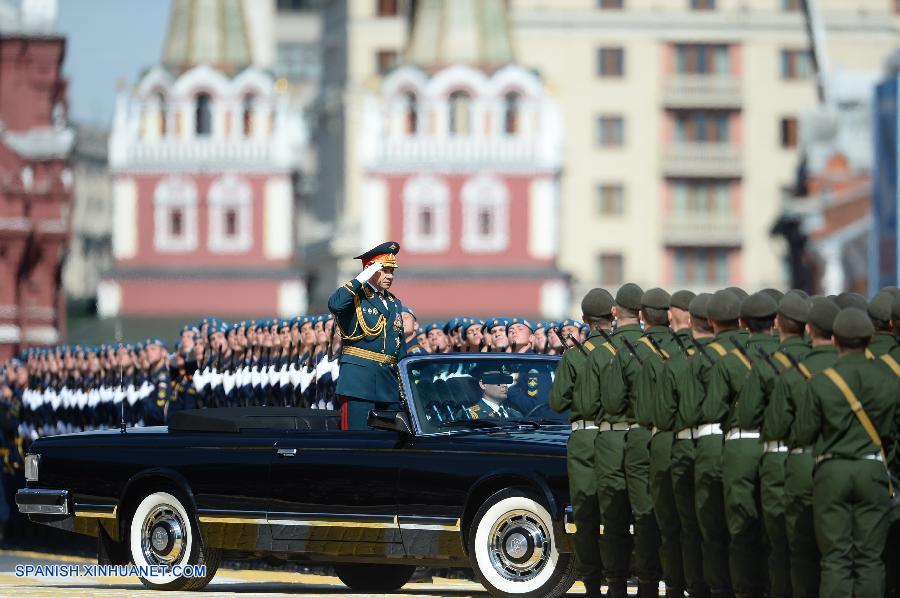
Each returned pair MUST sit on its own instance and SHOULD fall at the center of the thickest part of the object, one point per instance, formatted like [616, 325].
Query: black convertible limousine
[429, 485]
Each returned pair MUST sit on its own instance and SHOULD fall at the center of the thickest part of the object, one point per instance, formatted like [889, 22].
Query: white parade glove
[228, 382]
[254, 376]
[284, 376]
[335, 370]
[306, 379]
[294, 375]
[370, 271]
[274, 375]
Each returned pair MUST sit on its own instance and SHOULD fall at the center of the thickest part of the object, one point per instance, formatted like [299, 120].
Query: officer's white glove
[369, 272]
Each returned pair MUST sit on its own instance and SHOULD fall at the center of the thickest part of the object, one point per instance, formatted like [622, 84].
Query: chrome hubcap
[163, 535]
[519, 545]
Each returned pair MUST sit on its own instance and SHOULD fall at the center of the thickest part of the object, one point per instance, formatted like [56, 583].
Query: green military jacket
[566, 392]
[757, 390]
[825, 420]
[620, 398]
[683, 387]
[590, 388]
[882, 342]
[665, 405]
[728, 378]
[647, 384]
[789, 388]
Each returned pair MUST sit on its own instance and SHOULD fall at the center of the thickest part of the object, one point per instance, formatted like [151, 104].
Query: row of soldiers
[733, 445]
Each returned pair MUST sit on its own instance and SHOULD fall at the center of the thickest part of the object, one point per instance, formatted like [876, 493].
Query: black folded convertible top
[235, 419]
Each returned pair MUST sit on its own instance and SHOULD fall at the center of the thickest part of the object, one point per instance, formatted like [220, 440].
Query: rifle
[679, 342]
[575, 342]
[656, 346]
[743, 351]
[631, 350]
[768, 359]
[702, 350]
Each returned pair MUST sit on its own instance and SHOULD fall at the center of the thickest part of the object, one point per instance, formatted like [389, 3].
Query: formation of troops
[733, 444]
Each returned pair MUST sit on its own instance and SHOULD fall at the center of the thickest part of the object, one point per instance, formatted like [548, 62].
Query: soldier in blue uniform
[410, 326]
[369, 319]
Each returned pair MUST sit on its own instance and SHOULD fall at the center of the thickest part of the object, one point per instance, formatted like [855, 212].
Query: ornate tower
[462, 155]
[203, 152]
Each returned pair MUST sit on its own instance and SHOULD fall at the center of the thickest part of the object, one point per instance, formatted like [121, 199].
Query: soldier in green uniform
[849, 415]
[777, 426]
[614, 420]
[369, 319]
[880, 313]
[628, 393]
[567, 393]
[742, 451]
[674, 413]
[724, 312]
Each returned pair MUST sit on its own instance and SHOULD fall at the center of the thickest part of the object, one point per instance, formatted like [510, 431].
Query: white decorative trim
[42, 335]
[543, 218]
[46, 143]
[278, 218]
[15, 223]
[226, 193]
[9, 311]
[426, 192]
[485, 192]
[109, 299]
[10, 333]
[124, 229]
[175, 193]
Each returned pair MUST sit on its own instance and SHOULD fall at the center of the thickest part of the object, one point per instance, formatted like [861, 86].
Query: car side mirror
[396, 421]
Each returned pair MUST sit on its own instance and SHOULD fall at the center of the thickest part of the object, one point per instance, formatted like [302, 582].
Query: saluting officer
[567, 393]
[849, 416]
[369, 320]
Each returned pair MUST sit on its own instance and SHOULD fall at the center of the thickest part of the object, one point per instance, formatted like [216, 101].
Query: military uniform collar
[595, 334]
[794, 341]
[854, 358]
[629, 328]
[736, 333]
[822, 350]
[657, 330]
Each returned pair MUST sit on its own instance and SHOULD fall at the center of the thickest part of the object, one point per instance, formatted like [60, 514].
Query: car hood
[546, 441]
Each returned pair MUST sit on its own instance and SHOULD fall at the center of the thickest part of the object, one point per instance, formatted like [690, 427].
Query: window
[230, 215]
[386, 8]
[385, 60]
[426, 214]
[460, 113]
[702, 127]
[701, 267]
[247, 115]
[789, 131]
[796, 64]
[610, 269]
[702, 59]
[611, 4]
[610, 199]
[703, 4]
[610, 131]
[610, 62]
[412, 114]
[203, 115]
[175, 215]
[701, 198]
[511, 113]
[297, 62]
[485, 212]
[791, 5]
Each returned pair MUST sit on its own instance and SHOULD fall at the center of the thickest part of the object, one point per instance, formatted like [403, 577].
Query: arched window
[162, 113]
[460, 113]
[175, 215]
[249, 102]
[230, 215]
[485, 202]
[426, 215]
[412, 114]
[511, 113]
[203, 115]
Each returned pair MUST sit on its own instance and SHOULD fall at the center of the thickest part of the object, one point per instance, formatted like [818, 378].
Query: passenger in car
[494, 387]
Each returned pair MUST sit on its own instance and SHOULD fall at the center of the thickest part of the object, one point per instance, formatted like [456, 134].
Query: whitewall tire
[513, 549]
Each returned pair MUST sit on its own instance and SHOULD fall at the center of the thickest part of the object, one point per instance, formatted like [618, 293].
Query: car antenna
[122, 425]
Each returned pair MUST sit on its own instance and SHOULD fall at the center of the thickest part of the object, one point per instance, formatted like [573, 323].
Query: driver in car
[494, 387]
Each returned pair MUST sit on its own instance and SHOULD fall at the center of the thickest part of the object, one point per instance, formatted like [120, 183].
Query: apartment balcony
[702, 91]
[707, 160]
[701, 229]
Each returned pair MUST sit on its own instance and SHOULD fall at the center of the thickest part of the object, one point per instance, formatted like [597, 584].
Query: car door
[334, 492]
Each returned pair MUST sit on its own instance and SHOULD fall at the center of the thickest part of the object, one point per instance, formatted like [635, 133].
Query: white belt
[801, 450]
[654, 431]
[581, 424]
[870, 457]
[707, 430]
[775, 446]
[737, 434]
[686, 434]
[613, 427]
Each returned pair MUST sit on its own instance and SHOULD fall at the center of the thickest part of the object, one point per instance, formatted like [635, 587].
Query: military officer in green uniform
[621, 398]
[780, 414]
[850, 416]
[368, 317]
[675, 412]
[567, 394]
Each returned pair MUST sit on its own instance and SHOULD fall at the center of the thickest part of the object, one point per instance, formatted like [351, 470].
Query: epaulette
[589, 346]
[715, 346]
[782, 359]
[609, 348]
[743, 359]
[892, 363]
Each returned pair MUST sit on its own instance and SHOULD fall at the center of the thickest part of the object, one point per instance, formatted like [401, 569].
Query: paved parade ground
[228, 582]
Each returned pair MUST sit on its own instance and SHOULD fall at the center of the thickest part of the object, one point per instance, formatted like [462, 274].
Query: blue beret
[519, 321]
[434, 326]
[408, 310]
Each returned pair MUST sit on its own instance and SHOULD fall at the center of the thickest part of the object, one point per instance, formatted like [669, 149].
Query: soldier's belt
[686, 434]
[581, 424]
[869, 457]
[775, 446]
[707, 430]
[370, 355]
[738, 434]
[613, 427]
[801, 450]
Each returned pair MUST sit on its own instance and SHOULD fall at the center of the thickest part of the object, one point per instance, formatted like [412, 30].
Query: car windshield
[482, 392]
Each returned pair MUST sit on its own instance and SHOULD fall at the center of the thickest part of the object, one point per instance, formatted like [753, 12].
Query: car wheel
[374, 578]
[162, 533]
[512, 548]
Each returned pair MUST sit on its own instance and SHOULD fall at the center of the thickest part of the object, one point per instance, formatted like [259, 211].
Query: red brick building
[35, 179]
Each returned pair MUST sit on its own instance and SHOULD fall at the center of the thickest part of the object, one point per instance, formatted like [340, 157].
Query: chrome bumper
[38, 501]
